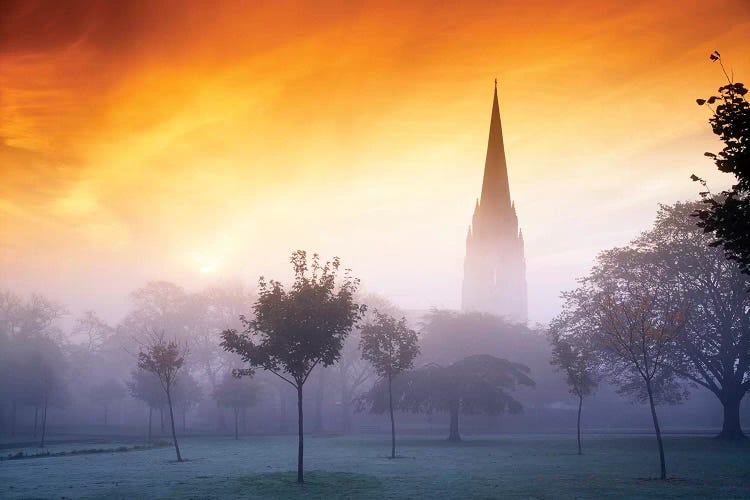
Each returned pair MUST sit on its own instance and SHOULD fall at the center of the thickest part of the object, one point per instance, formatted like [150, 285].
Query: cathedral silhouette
[495, 266]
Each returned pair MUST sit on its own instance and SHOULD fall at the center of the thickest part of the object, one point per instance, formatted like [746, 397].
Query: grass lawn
[516, 466]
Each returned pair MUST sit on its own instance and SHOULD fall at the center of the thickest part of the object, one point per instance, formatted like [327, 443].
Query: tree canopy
[727, 214]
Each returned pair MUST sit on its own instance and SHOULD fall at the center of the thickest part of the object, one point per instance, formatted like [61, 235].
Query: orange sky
[202, 143]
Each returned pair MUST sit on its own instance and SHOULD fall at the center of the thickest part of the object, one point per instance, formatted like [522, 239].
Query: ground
[514, 466]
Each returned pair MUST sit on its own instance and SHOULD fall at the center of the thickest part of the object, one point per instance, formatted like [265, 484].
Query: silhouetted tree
[295, 330]
[476, 384]
[633, 321]
[107, 393]
[390, 346]
[727, 215]
[238, 394]
[572, 354]
[713, 347]
[164, 359]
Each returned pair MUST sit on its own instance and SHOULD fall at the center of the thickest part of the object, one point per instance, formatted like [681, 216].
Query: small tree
[238, 394]
[572, 355]
[727, 215]
[145, 386]
[390, 346]
[295, 330]
[473, 385]
[164, 359]
[633, 321]
[107, 393]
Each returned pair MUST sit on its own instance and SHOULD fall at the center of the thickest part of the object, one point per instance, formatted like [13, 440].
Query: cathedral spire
[495, 188]
[495, 266]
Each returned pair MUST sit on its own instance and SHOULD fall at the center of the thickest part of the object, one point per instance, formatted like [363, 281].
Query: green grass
[514, 466]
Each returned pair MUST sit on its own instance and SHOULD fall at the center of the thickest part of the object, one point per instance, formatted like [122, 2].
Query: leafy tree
[144, 386]
[572, 355]
[476, 384]
[164, 359]
[712, 349]
[727, 215]
[295, 330]
[237, 393]
[107, 393]
[633, 322]
[390, 346]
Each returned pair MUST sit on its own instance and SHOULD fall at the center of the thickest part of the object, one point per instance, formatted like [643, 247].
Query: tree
[712, 349]
[727, 215]
[295, 330]
[390, 346]
[237, 393]
[144, 386]
[571, 354]
[473, 385]
[164, 359]
[107, 393]
[353, 372]
[633, 321]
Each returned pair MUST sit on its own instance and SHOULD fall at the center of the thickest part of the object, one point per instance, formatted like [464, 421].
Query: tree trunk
[36, 418]
[174, 434]
[580, 404]
[236, 423]
[454, 436]
[44, 424]
[161, 420]
[300, 430]
[393, 422]
[150, 414]
[657, 429]
[730, 428]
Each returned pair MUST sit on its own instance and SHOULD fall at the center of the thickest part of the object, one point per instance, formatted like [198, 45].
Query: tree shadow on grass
[318, 484]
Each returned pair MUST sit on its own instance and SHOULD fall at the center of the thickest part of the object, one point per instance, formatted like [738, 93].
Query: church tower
[495, 266]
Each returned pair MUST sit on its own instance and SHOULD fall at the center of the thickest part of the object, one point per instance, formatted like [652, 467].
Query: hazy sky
[202, 143]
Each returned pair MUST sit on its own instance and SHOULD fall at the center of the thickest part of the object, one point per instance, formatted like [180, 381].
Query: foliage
[476, 384]
[164, 359]
[295, 330]
[727, 215]
[574, 356]
[389, 345]
[712, 349]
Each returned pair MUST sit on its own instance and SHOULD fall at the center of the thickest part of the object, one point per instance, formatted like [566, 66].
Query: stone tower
[495, 266]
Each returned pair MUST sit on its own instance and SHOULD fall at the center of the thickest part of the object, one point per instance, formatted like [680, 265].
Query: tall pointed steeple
[495, 188]
[495, 267]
